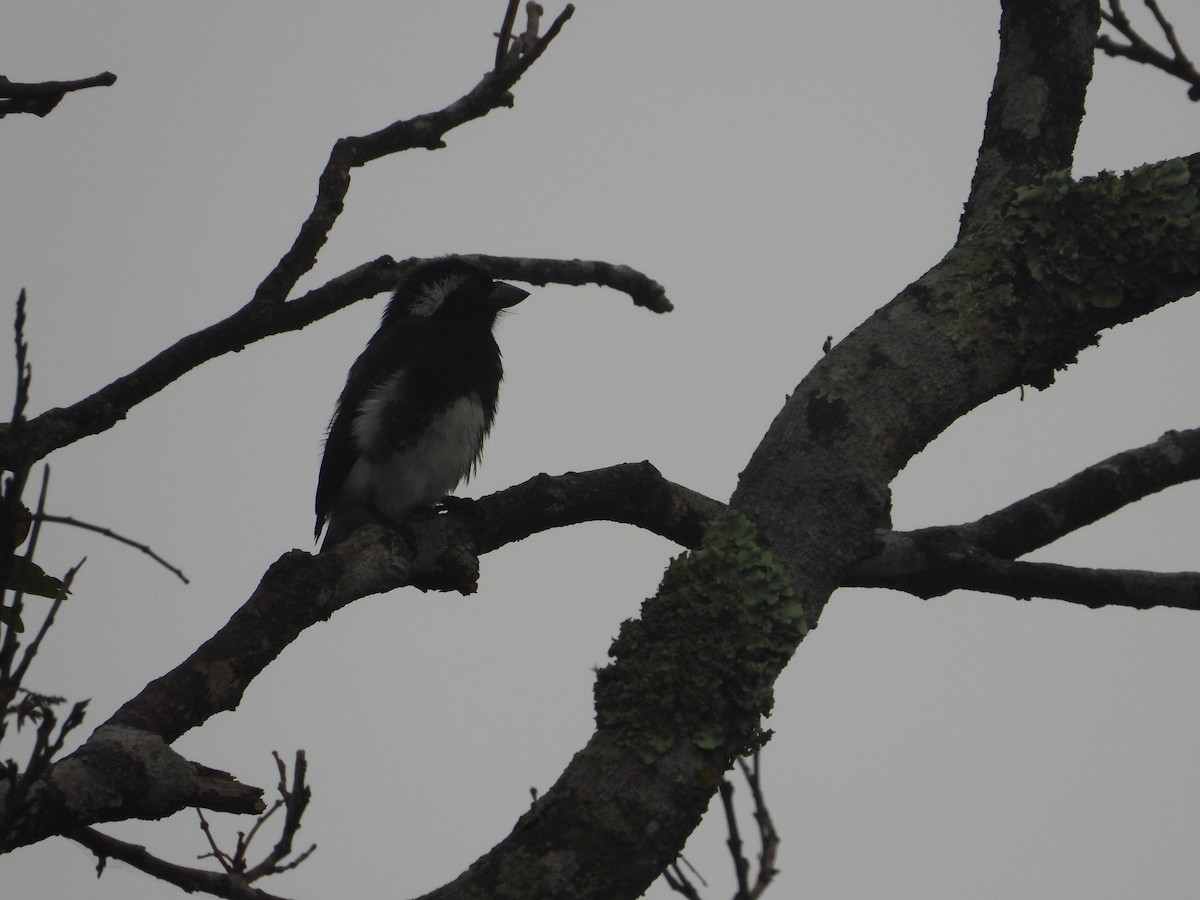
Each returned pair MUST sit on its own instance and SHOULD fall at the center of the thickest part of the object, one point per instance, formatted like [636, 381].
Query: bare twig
[45, 747]
[189, 879]
[677, 879]
[741, 865]
[1140, 50]
[14, 517]
[9, 645]
[24, 371]
[31, 651]
[238, 877]
[349, 153]
[526, 40]
[768, 838]
[120, 538]
[505, 33]
[294, 801]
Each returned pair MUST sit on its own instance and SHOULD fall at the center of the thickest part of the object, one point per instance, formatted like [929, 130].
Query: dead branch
[236, 880]
[41, 97]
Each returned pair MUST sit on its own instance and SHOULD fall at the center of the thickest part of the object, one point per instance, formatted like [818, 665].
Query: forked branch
[1140, 50]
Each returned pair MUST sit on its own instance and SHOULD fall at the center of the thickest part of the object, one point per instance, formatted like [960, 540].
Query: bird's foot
[451, 503]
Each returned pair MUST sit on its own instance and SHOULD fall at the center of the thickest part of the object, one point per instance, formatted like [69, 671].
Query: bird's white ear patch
[429, 298]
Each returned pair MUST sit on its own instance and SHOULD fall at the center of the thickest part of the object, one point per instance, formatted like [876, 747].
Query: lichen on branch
[699, 663]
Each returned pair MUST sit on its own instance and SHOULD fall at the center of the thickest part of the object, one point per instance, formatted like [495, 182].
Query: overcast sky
[783, 169]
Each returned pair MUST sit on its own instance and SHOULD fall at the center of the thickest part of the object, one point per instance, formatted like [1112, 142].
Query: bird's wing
[341, 451]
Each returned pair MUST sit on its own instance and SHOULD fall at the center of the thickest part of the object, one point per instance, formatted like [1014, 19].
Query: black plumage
[419, 401]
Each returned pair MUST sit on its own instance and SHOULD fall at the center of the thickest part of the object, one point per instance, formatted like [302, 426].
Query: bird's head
[451, 288]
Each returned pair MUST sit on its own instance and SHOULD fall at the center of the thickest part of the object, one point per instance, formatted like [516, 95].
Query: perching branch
[300, 590]
[41, 97]
[59, 427]
[1140, 50]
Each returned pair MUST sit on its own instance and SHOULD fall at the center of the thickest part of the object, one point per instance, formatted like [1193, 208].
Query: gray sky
[784, 170]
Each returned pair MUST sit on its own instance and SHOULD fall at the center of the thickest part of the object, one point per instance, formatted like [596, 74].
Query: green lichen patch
[1083, 240]
[699, 663]
[1064, 247]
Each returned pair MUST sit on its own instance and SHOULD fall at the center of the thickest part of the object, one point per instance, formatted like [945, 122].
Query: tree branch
[1088, 496]
[425, 131]
[934, 561]
[1036, 105]
[56, 428]
[189, 879]
[119, 773]
[1142, 51]
[267, 312]
[41, 97]
[979, 555]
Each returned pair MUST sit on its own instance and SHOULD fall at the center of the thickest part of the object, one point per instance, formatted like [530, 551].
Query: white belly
[397, 484]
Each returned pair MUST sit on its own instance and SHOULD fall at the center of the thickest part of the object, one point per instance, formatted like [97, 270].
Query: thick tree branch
[1087, 496]
[1036, 104]
[119, 773]
[41, 97]
[300, 590]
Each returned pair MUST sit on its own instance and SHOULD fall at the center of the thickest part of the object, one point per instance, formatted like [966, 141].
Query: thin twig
[767, 836]
[109, 533]
[13, 515]
[188, 879]
[1142, 51]
[679, 882]
[741, 865]
[8, 648]
[505, 34]
[217, 853]
[32, 649]
[24, 371]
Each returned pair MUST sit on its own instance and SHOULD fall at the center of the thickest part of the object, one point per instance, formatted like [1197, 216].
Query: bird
[410, 423]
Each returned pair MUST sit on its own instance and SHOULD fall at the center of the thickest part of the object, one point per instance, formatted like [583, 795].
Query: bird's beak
[504, 295]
